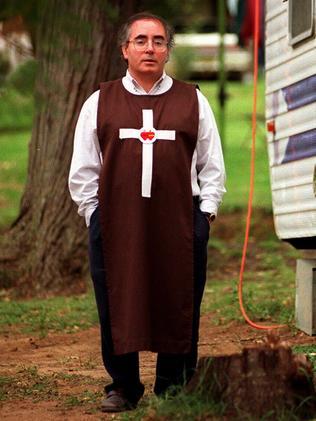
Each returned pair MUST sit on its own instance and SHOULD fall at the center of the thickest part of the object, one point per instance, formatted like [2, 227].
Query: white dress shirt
[207, 169]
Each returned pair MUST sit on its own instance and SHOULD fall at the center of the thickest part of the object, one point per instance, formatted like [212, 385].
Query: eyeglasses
[141, 44]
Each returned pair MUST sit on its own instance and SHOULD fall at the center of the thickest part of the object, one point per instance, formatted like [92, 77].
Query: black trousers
[171, 369]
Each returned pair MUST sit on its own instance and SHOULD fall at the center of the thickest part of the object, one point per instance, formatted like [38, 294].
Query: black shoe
[115, 401]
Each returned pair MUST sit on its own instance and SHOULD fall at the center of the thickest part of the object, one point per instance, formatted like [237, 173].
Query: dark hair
[123, 33]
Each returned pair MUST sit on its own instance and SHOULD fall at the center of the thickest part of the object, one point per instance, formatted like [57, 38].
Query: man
[147, 173]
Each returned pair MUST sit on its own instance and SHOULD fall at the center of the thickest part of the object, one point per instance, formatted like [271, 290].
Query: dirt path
[61, 377]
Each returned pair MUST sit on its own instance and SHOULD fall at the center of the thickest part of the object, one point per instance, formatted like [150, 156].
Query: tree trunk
[263, 381]
[45, 249]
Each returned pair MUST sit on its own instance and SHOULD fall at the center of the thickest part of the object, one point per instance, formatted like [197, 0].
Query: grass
[237, 147]
[13, 169]
[66, 314]
[85, 398]
[198, 406]
[309, 351]
[268, 287]
[269, 276]
[29, 383]
[16, 115]
[183, 407]
[268, 301]
[16, 110]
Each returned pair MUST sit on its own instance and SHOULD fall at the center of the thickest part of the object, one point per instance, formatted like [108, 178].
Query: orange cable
[252, 175]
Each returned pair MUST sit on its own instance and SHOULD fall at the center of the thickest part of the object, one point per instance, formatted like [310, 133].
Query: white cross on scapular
[147, 135]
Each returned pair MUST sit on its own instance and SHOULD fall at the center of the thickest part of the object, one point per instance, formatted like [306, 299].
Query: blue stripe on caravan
[300, 93]
[302, 145]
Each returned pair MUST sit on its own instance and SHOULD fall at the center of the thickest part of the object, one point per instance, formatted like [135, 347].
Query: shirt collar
[162, 85]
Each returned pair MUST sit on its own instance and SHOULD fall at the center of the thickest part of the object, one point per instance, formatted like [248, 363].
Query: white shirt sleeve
[210, 166]
[86, 160]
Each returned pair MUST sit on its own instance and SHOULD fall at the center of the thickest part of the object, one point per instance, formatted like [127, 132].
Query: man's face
[147, 60]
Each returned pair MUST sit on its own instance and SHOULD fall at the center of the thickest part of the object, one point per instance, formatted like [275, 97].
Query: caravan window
[301, 20]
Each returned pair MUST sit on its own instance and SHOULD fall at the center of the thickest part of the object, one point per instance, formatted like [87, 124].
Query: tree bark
[45, 250]
[264, 381]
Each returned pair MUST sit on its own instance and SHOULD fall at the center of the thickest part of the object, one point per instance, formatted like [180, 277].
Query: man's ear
[124, 51]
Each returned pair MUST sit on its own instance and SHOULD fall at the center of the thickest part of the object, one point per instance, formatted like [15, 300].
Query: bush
[181, 62]
[23, 78]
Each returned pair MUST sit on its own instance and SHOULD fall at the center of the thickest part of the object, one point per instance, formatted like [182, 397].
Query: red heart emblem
[147, 135]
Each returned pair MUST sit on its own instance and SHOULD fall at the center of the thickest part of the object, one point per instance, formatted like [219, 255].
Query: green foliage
[112, 11]
[11, 8]
[23, 78]
[182, 59]
[179, 13]
[67, 314]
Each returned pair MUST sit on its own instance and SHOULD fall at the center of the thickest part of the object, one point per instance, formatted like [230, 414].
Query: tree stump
[265, 380]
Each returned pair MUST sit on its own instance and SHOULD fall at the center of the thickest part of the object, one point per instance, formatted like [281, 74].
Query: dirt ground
[73, 361]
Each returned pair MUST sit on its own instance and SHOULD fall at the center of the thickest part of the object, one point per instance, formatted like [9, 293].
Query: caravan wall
[291, 117]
